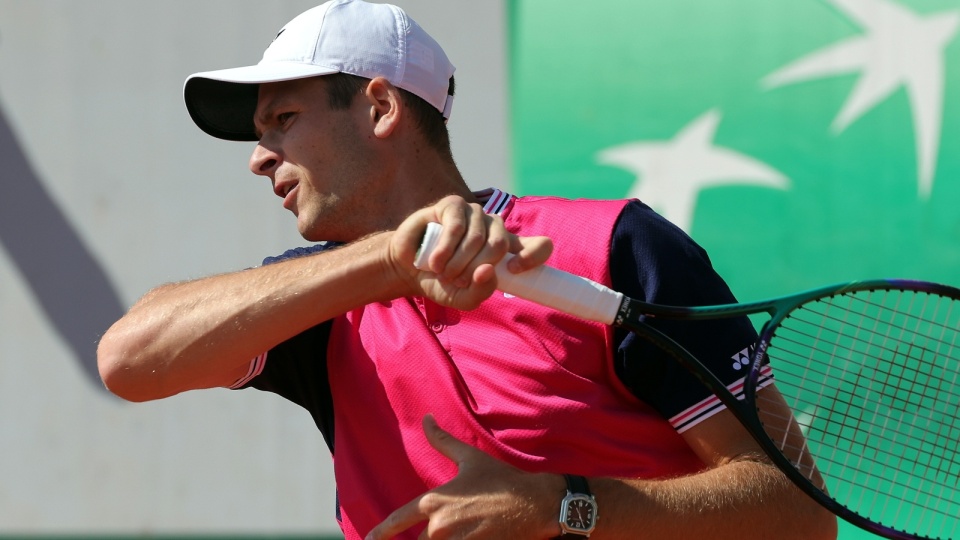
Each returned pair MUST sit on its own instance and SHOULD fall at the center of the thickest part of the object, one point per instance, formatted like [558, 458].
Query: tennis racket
[863, 415]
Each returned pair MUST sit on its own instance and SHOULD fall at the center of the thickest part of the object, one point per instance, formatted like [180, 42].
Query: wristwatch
[578, 510]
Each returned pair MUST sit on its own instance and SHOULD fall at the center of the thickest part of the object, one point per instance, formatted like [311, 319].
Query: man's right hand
[460, 270]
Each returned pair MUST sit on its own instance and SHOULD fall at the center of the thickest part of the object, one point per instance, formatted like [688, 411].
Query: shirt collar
[494, 201]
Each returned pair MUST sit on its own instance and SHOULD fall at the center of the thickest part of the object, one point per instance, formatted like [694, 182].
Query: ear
[386, 106]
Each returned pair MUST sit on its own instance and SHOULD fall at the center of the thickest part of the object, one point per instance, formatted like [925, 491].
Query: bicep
[723, 438]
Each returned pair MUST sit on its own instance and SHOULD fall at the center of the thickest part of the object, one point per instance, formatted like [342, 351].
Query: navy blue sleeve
[655, 261]
[301, 252]
[297, 368]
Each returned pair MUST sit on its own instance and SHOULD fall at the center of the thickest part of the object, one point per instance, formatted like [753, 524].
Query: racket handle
[545, 285]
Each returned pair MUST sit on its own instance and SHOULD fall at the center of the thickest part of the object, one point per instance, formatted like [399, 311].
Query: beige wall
[107, 190]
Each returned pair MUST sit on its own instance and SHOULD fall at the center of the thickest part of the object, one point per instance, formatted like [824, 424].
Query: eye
[284, 117]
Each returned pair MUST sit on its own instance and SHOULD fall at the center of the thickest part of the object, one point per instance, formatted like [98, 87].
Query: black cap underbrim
[222, 109]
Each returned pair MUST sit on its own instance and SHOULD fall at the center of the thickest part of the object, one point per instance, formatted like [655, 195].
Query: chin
[327, 228]
[313, 231]
[312, 235]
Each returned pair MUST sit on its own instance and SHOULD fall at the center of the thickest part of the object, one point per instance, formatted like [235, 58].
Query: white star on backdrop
[898, 48]
[671, 174]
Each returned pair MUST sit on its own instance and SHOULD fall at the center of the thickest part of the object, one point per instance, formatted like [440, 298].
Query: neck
[425, 176]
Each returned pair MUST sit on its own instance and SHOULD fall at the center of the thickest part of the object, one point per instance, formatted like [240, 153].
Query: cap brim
[222, 103]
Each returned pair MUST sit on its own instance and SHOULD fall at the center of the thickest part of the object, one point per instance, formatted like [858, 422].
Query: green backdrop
[801, 142]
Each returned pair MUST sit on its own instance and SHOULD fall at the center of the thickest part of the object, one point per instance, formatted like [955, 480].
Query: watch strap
[577, 484]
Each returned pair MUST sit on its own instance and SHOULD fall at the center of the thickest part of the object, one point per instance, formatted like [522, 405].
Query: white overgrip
[545, 285]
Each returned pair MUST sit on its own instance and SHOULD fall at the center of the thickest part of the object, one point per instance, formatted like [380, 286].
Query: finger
[456, 450]
[470, 246]
[400, 520]
[409, 236]
[490, 251]
[453, 214]
[530, 252]
[484, 278]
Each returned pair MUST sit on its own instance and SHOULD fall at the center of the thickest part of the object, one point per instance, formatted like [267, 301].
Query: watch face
[580, 513]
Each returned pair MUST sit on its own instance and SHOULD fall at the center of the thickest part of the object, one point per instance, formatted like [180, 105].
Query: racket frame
[631, 317]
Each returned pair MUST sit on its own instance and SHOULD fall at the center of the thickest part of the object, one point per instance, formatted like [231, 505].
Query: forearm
[195, 334]
[203, 333]
[739, 500]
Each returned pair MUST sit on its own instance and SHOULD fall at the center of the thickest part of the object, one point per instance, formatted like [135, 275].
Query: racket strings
[810, 465]
[890, 324]
[945, 381]
[943, 390]
[872, 380]
[943, 442]
[827, 315]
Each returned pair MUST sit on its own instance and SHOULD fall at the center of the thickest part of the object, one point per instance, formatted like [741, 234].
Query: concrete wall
[107, 189]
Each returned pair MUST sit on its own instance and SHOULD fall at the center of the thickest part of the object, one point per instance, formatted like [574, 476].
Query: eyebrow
[262, 115]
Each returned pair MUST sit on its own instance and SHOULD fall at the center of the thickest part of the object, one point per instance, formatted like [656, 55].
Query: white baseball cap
[340, 36]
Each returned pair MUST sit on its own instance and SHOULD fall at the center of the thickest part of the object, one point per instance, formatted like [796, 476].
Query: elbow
[118, 370]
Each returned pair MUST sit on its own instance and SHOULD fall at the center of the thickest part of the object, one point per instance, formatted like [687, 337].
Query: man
[543, 415]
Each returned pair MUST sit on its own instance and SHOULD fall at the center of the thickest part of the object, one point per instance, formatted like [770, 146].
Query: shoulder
[644, 229]
[657, 261]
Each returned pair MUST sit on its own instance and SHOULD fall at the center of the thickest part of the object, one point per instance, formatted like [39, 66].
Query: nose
[264, 161]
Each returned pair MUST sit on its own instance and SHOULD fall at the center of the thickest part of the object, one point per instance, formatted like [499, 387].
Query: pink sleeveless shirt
[528, 385]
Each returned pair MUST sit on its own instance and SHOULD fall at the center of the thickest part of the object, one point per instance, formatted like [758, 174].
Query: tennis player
[451, 411]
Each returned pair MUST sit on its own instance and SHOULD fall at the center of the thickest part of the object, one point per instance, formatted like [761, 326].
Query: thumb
[445, 443]
[530, 251]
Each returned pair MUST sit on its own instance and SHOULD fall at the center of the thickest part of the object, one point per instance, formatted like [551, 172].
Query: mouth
[290, 197]
[288, 192]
